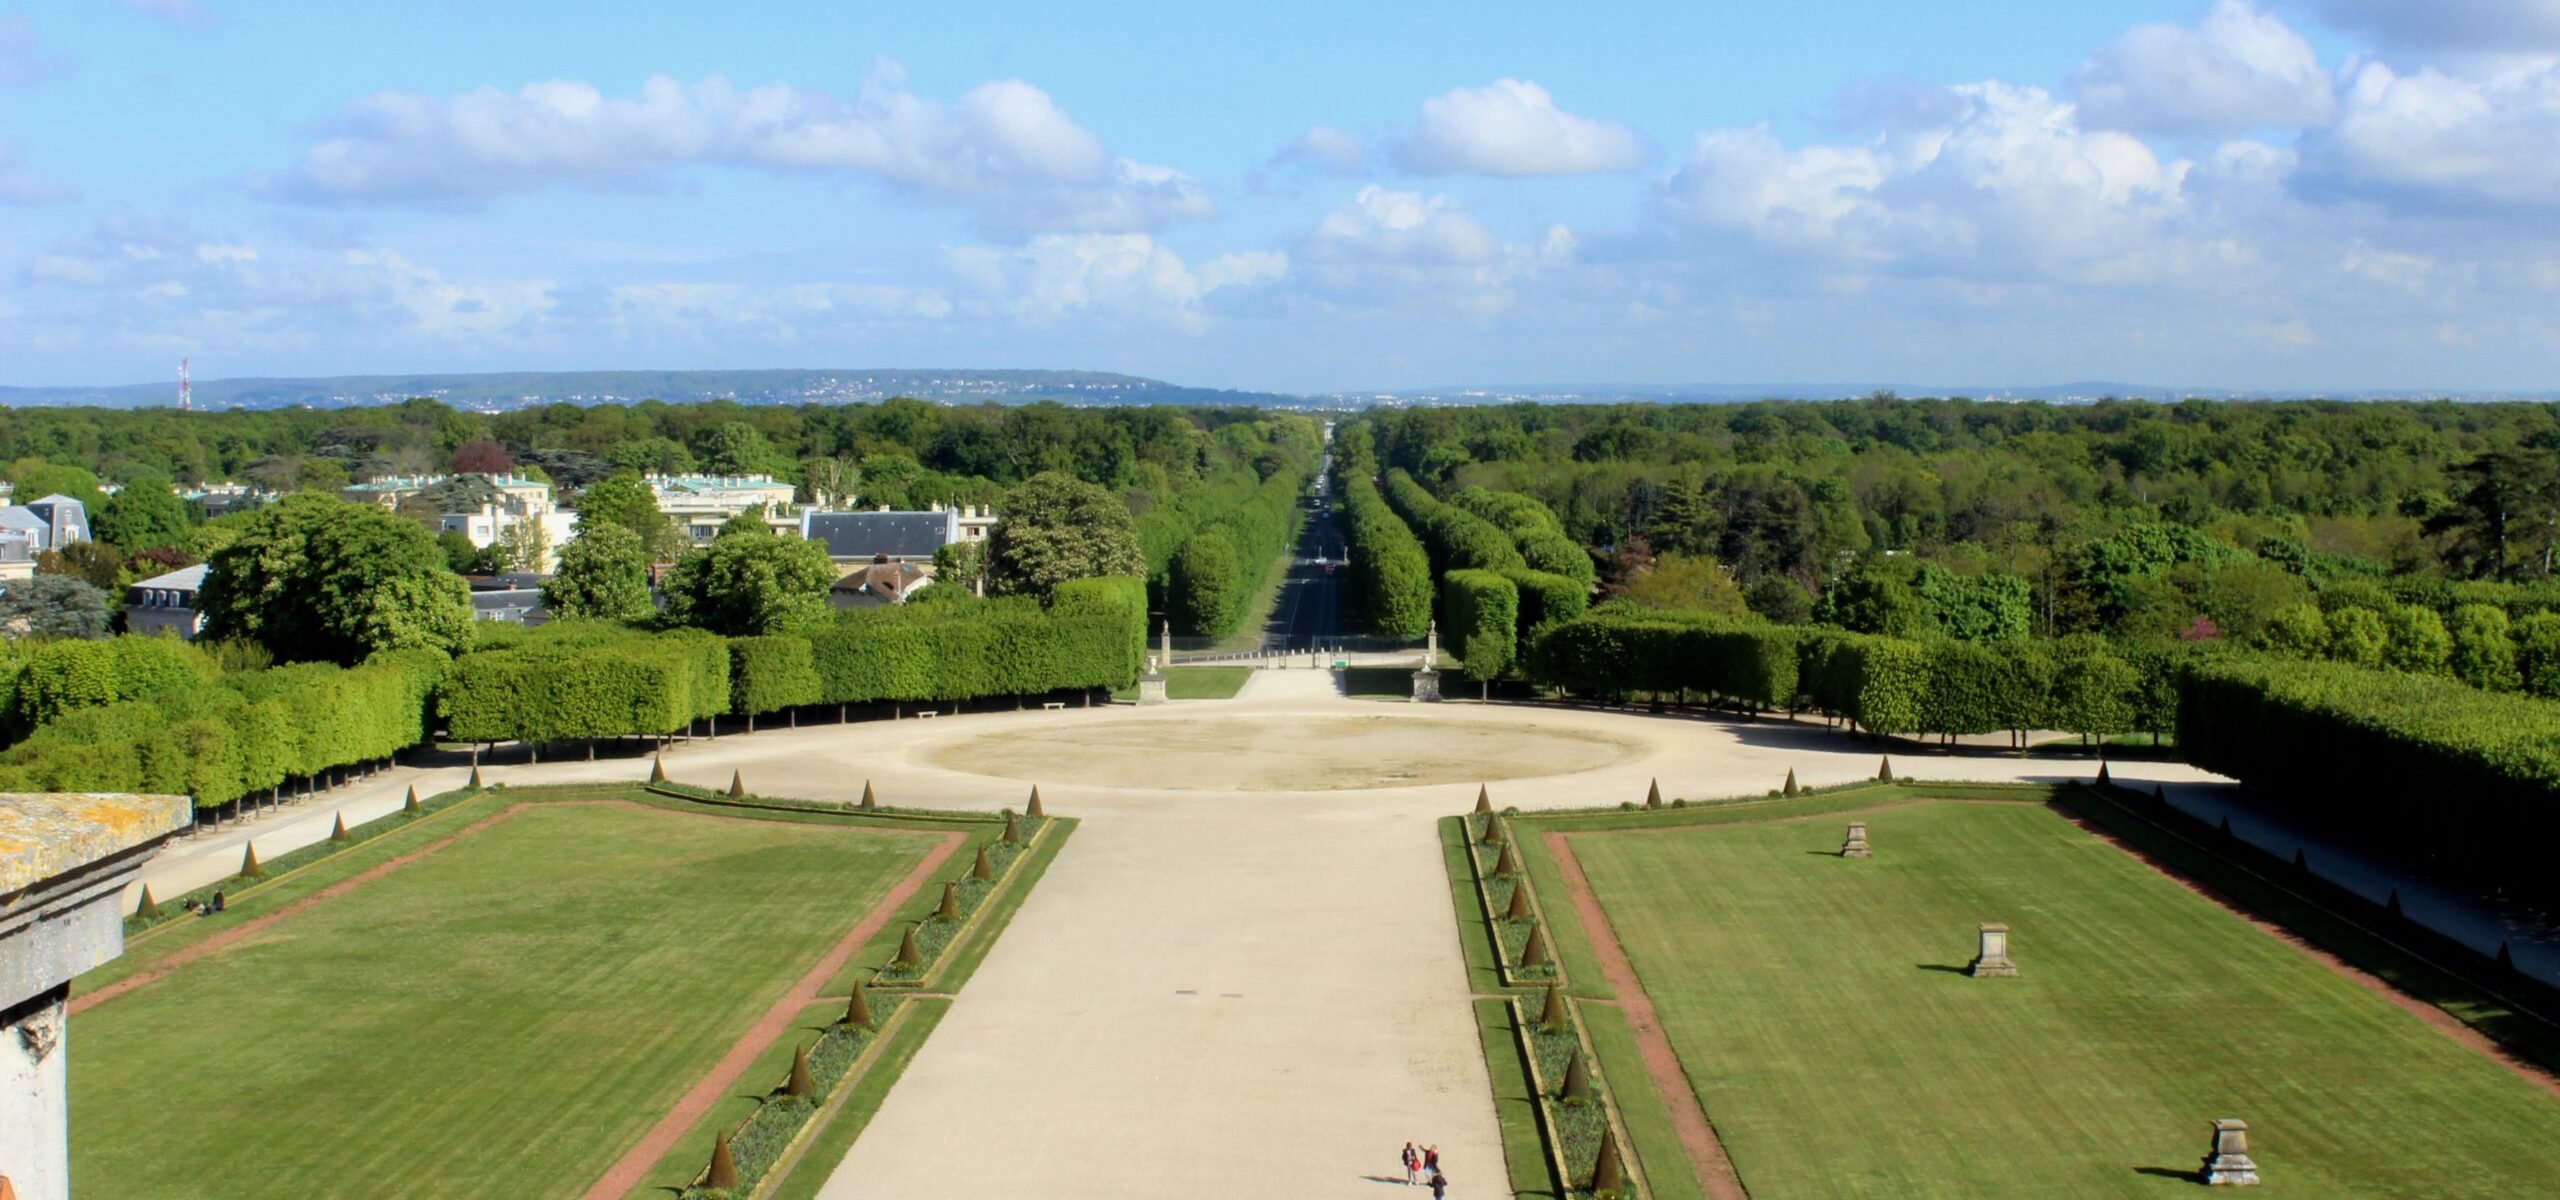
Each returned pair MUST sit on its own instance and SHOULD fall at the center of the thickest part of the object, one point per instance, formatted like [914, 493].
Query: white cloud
[1124, 274]
[2486, 26]
[24, 57]
[1512, 128]
[2236, 69]
[1326, 149]
[2008, 187]
[21, 185]
[1388, 247]
[2434, 143]
[1003, 149]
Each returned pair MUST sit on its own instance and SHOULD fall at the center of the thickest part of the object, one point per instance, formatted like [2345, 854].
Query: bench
[1049, 704]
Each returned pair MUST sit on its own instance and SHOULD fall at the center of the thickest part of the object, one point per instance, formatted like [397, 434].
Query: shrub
[1484, 621]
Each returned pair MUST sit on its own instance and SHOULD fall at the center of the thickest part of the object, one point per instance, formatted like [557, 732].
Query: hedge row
[1883, 684]
[1484, 621]
[586, 679]
[1390, 572]
[1534, 529]
[1457, 539]
[219, 740]
[1089, 638]
[2409, 753]
[1214, 575]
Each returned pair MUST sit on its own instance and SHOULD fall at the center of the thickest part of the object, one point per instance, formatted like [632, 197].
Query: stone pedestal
[2229, 1164]
[1991, 961]
[71, 857]
[1151, 685]
[1426, 686]
[1855, 846]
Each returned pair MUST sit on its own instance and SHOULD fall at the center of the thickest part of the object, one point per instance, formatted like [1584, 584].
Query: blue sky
[2280, 194]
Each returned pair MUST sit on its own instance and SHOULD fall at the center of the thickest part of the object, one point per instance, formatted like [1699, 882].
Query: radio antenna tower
[186, 390]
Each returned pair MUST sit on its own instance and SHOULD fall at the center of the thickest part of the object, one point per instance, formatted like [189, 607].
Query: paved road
[1309, 613]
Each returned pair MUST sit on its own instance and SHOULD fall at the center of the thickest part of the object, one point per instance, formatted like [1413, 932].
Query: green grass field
[1820, 1013]
[1197, 683]
[504, 1017]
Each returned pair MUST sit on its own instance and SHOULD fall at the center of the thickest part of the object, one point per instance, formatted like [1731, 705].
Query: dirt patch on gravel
[1282, 753]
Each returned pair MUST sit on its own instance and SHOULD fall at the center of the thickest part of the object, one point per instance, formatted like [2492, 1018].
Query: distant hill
[524, 389]
[1713, 393]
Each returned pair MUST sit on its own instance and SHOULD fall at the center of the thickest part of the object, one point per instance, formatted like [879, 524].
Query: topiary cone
[857, 1011]
[737, 785]
[1012, 832]
[1608, 1175]
[1884, 770]
[2299, 862]
[801, 1083]
[724, 1169]
[1577, 1081]
[249, 868]
[2159, 794]
[338, 829]
[867, 800]
[475, 777]
[1033, 809]
[658, 768]
[1534, 954]
[1790, 789]
[982, 869]
[908, 956]
[410, 806]
[1506, 866]
[950, 910]
[1653, 794]
[2103, 778]
[149, 909]
[1484, 801]
[1519, 910]
[2392, 906]
[1551, 1016]
[2226, 825]
[2506, 961]
[1492, 831]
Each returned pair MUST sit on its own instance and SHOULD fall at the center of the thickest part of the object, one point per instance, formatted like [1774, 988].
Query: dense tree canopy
[314, 577]
[749, 581]
[603, 573]
[1056, 528]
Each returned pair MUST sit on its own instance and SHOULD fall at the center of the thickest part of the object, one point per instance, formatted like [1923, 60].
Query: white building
[166, 604]
[519, 502]
[700, 504]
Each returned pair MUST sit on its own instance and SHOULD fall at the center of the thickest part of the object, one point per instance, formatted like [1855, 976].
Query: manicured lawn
[502, 1018]
[1198, 683]
[1820, 1012]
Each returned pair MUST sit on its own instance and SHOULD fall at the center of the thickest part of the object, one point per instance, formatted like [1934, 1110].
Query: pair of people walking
[1422, 1166]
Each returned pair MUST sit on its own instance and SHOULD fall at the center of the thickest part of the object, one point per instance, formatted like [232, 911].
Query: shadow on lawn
[1944, 967]
[2181, 1174]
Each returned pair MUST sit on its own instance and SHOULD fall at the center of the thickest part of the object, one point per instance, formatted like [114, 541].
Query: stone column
[64, 885]
[1992, 959]
[2228, 1165]
[1426, 680]
[1855, 846]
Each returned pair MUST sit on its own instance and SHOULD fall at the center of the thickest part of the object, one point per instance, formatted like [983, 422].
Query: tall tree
[481, 456]
[1056, 528]
[627, 501]
[748, 583]
[52, 606]
[1686, 583]
[143, 515]
[314, 577]
[524, 545]
[604, 572]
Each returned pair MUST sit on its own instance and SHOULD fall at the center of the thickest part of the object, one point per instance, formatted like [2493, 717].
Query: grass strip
[272, 870]
[1640, 1108]
[828, 1145]
[1515, 1110]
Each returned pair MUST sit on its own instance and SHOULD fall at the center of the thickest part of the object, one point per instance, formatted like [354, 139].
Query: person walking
[1439, 1186]
[1412, 1165]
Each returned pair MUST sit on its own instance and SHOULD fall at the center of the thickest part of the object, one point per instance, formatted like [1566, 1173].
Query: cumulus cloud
[2008, 186]
[1387, 246]
[2484, 26]
[2236, 69]
[1124, 274]
[1325, 149]
[1003, 149]
[2431, 142]
[1512, 128]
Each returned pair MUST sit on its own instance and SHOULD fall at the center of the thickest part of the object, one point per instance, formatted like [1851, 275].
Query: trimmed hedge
[1390, 571]
[1205, 591]
[217, 740]
[771, 673]
[1457, 539]
[1534, 529]
[584, 679]
[1547, 599]
[2413, 756]
[1484, 621]
[1619, 649]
